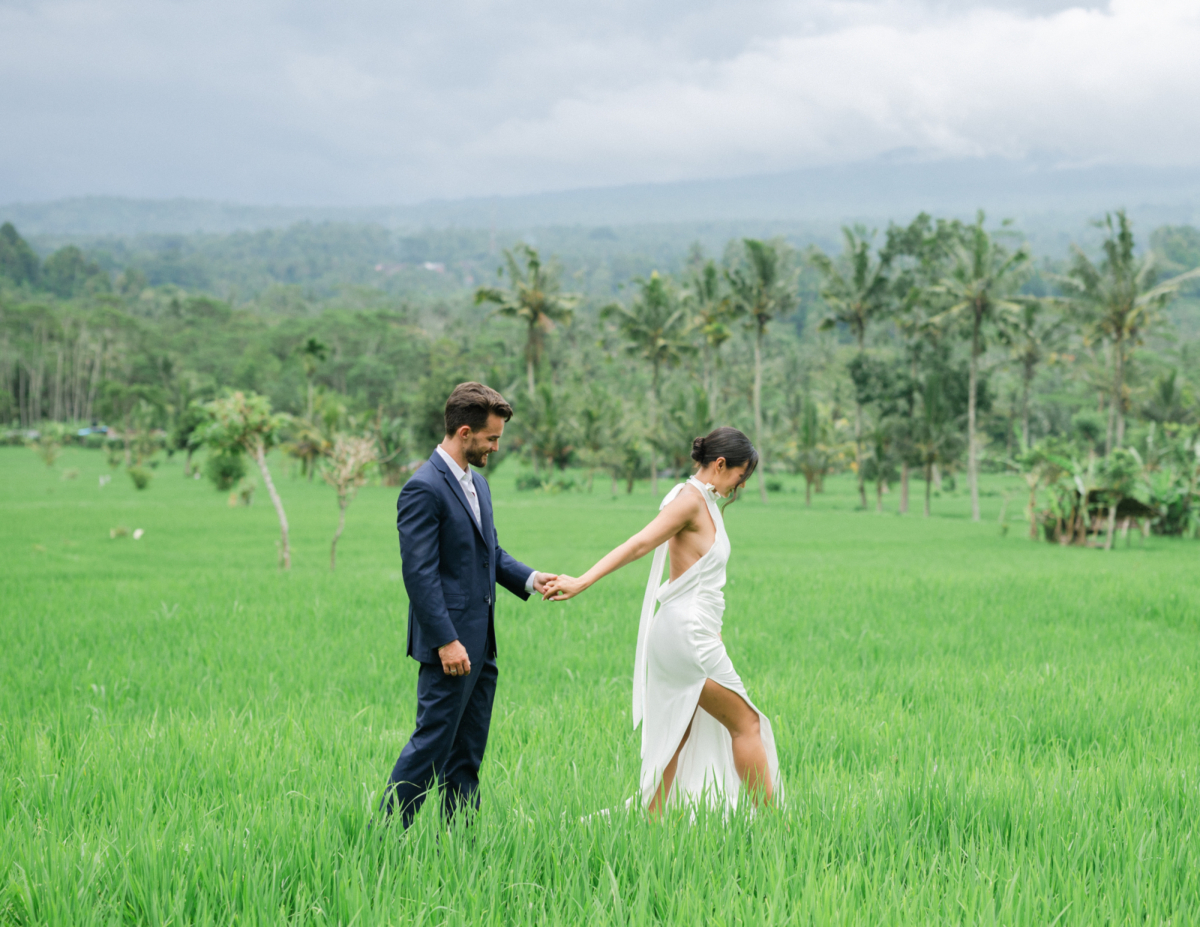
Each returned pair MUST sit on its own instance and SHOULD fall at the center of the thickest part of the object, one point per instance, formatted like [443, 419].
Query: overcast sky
[385, 102]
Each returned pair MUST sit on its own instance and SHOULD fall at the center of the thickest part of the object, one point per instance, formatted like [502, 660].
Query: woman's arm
[670, 521]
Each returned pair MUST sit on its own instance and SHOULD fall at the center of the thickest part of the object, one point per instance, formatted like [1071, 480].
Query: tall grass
[974, 728]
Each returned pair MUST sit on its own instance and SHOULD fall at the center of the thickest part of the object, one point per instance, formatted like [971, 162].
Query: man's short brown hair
[471, 404]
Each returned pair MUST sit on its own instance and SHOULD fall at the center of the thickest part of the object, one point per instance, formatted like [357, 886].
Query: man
[452, 561]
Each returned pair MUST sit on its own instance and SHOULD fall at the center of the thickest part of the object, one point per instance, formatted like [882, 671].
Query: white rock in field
[137, 534]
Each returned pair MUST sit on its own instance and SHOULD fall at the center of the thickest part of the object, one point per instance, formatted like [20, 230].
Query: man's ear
[463, 432]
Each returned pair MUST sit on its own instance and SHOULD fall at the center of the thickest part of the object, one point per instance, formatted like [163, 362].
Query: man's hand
[455, 661]
[540, 580]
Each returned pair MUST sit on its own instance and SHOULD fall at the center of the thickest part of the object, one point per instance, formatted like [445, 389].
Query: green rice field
[974, 728]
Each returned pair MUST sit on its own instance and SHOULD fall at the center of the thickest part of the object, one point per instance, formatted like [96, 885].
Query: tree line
[934, 346]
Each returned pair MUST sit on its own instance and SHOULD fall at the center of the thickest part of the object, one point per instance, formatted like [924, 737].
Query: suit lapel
[484, 493]
[456, 488]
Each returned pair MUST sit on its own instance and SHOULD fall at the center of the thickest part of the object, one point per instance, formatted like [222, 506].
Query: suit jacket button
[487, 600]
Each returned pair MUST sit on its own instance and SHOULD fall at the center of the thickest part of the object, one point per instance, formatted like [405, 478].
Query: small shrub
[774, 485]
[548, 484]
[141, 476]
[94, 441]
[528, 482]
[225, 469]
[48, 442]
[115, 449]
[118, 532]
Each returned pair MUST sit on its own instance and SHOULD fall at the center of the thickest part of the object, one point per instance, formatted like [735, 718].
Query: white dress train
[679, 647]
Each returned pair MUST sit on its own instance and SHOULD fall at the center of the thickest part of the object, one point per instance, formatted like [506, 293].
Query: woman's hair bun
[725, 442]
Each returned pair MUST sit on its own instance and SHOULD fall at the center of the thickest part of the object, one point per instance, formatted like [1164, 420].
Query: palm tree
[934, 436]
[760, 293]
[1120, 300]
[979, 287]
[687, 417]
[1032, 333]
[856, 290]
[655, 327]
[1169, 403]
[815, 452]
[711, 305]
[312, 353]
[919, 255]
[533, 298]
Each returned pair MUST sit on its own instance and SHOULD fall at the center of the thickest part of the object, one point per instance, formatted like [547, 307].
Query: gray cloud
[367, 101]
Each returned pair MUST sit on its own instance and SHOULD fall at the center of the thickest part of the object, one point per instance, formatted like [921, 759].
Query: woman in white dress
[702, 738]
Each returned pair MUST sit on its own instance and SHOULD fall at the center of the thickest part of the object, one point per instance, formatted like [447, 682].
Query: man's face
[483, 442]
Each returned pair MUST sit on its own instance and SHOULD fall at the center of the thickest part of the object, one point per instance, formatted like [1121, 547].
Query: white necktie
[468, 485]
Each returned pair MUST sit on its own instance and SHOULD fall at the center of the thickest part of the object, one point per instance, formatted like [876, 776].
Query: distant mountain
[1051, 203]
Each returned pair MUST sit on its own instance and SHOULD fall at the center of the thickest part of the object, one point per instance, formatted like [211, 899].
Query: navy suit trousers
[453, 714]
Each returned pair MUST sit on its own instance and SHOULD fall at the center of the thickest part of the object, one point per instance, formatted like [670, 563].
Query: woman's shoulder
[684, 498]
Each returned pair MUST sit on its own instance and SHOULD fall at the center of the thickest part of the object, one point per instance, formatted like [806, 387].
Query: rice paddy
[974, 728]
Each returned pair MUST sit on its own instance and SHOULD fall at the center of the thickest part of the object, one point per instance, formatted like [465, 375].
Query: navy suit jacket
[451, 564]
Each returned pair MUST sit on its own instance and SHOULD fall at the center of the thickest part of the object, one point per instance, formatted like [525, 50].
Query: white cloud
[371, 101]
[1116, 85]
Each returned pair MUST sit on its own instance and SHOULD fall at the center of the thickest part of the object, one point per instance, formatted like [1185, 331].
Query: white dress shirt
[466, 479]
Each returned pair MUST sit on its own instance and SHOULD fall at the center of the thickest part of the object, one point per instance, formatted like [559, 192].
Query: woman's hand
[563, 587]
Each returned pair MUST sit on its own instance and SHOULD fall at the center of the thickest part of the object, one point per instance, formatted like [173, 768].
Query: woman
[702, 737]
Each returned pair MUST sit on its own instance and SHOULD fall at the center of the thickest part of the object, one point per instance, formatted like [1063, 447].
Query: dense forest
[919, 351]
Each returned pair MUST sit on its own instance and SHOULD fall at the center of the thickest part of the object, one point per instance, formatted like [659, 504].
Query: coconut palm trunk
[654, 433]
[530, 349]
[1026, 388]
[972, 388]
[758, 436]
[928, 487]
[1118, 397]
[858, 429]
[285, 553]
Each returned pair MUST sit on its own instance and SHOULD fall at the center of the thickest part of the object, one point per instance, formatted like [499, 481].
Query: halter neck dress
[679, 647]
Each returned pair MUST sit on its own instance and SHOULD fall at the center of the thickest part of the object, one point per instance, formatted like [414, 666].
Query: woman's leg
[749, 754]
[668, 778]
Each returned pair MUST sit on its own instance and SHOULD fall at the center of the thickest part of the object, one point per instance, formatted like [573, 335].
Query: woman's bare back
[696, 538]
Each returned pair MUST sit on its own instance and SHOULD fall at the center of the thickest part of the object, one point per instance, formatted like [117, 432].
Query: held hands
[562, 587]
[540, 580]
[455, 661]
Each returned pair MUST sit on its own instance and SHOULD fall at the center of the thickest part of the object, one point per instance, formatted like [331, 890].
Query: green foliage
[67, 273]
[225, 468]
[48, 442]
[534, 298]
[189, 427]
[654, 325]
[18, 262]
[140, 476]
[857, 289]
[242, 422]
[1177, 250]
[351, 358]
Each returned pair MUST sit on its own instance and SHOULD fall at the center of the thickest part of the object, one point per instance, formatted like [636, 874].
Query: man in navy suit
[452, 562]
